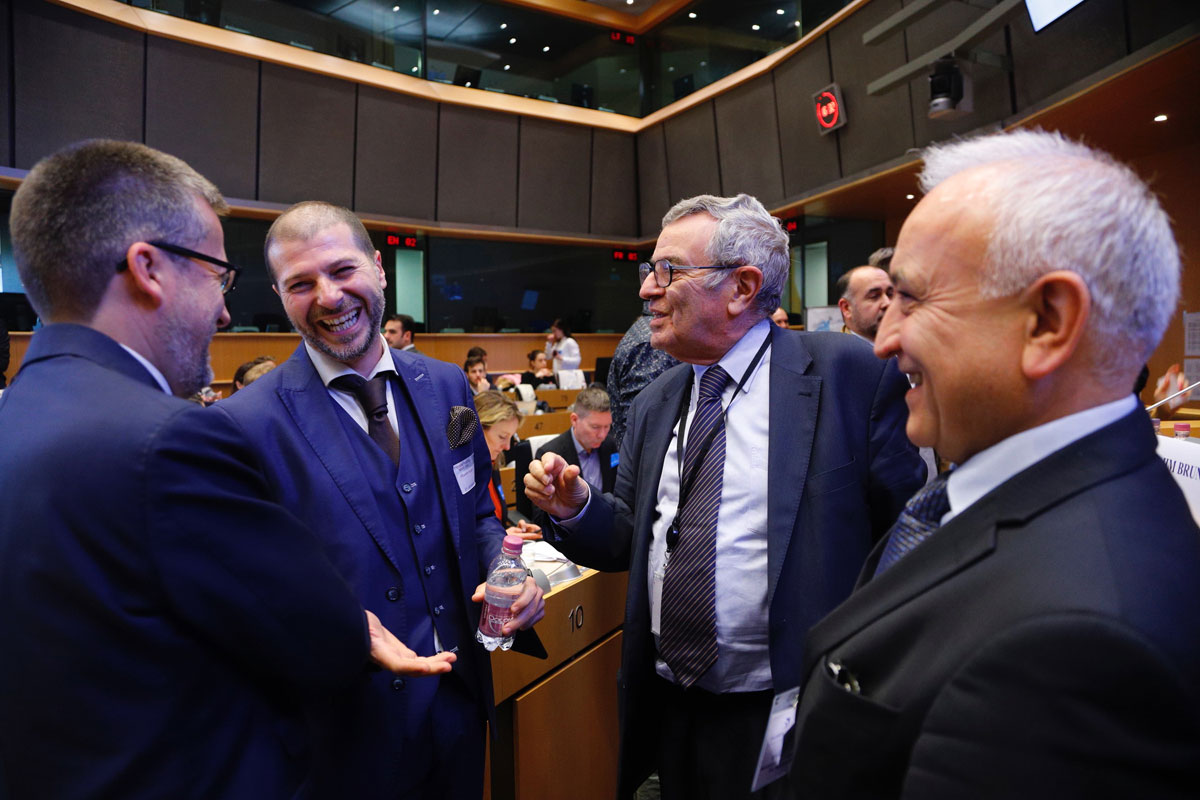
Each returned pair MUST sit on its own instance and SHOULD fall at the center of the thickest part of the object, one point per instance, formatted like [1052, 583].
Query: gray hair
[592, 400]
[1062, 205]
[304, 220]
[78, 211]
[746, 235]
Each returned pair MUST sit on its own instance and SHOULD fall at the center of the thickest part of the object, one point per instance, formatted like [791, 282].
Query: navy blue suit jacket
[840, 468]
[1045, 642]
[289, 419]
[161, 620]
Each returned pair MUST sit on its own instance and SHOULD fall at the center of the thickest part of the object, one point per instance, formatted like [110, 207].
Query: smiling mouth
[341, 323]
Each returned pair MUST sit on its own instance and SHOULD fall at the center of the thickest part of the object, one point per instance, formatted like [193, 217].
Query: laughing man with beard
[380, 451]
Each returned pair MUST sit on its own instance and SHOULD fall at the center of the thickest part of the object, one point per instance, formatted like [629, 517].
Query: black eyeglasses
[228, 278]
[664, 271]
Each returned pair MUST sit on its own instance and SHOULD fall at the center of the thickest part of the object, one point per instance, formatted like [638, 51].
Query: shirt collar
[153, 370]
[737, 359]
[987, 469]
[329, 368]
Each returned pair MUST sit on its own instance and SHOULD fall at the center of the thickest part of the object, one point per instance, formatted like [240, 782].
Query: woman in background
[538, 372]
[500, 419]
[561, 347]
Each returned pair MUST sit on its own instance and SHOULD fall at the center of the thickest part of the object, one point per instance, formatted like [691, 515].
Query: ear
[574, 418]
[1058, 305]
[379, 266]
[144, 269]
[746, 283]
[844, 307]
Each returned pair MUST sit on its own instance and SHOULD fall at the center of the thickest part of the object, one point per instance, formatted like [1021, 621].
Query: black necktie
[688, 636]
[372, 396]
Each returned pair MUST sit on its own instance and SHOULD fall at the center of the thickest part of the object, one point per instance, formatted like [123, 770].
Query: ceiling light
[796, 23]
[467, 84]
[507, 67]
[437, 11]
[670, 69]
[546, 49]
[503, 25]
[691, 15]
[779, 11]
[628, 2]
[622, 70]
[704, 63]
[1161, 118]
[513, 40]
[414, 69]
[754, 27]
[395, 8]
[909, 196]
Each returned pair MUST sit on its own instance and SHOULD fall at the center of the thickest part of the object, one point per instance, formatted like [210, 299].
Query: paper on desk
[541, 551]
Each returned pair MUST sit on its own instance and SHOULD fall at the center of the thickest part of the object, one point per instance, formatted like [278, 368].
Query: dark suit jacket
[1044, 643]
[564, 445]
[161, 620]
[840, 470]
[289, 419]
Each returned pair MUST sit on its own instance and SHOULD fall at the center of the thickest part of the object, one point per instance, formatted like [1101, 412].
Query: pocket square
[461, 428]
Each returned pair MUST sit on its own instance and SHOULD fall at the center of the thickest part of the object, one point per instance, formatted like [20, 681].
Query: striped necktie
[688, 635]
[921, 516]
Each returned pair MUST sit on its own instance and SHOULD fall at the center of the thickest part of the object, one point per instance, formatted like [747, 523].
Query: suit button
[418, 528]
[393, 593]
[408, 487]
[429, 570]
[437, 610]
[397, 683]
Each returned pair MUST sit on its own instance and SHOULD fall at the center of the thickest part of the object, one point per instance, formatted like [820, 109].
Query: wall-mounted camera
[950, 92]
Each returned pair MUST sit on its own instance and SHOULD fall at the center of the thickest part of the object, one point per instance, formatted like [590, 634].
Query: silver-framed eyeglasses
[664, 271]
[227, 277]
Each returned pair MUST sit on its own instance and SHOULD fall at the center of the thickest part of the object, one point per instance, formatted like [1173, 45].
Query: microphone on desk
[1172, 397]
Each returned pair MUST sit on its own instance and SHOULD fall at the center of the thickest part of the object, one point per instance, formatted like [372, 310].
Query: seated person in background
[561, 347]
[477, 375]
[500, 419]
[480, 353]
[239, 375]
[539, 372]
[587, 444]
[780, 317]
[257, 371]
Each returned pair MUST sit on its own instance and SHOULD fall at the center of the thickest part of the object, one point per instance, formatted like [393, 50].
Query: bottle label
[497, 609]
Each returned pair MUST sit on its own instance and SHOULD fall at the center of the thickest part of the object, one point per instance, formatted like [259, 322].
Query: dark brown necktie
[372, 396]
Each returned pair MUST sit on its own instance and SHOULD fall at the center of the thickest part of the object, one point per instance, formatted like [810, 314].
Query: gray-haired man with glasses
[753, 481]
[163, 623]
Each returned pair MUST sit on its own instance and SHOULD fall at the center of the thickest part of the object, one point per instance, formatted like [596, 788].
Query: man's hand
[528, 609]
[526, 530]
[555, 486]
[395, 656]
[1168, 384]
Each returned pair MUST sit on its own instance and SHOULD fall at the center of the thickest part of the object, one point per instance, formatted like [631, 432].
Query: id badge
[775, 756]
[656, 597]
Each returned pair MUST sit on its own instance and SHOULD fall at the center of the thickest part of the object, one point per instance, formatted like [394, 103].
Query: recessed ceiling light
[622, 70]
[779, 11]
[437, 11]
[395, 8]
[670, 69]
[754, 27]
[507, 67]
[546, 49]
[1161, 118]
[468, 84]
[628, 2]
[909, 196]
[513, 40]
[704, 63]
[414, 69]
[691, 15]
[796, 23]
[503, 25]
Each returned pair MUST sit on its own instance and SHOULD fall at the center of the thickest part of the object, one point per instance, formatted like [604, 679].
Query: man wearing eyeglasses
[162, 621]
[794, 461]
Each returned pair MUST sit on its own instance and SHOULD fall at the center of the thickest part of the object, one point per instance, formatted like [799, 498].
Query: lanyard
[686, 482]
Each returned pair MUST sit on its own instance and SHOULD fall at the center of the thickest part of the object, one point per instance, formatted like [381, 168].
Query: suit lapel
[794, 404]
[315, 415]
[432, 415]
[1114, 450]
[662, 414]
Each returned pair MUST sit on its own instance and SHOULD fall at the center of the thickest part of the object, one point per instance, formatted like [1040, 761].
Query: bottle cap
[1183, 427]
[512, 545]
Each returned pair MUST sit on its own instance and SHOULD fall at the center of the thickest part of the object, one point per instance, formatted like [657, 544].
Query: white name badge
[775, 756]
[465, 472]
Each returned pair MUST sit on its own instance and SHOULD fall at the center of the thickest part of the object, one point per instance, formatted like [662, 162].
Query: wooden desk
[558, 399]
[540, 424]
[557, 719]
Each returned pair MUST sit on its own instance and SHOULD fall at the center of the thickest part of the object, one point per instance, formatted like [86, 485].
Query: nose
[329, 294]
[650, 288]
[224, 320]
[887, 339]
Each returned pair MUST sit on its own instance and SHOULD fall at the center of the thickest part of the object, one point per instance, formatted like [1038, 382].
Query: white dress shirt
[987, 469]
[743, 661]
[564, 353]
[330, 368]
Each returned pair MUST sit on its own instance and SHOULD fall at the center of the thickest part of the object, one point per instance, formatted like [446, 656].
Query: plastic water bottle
[505, 582]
